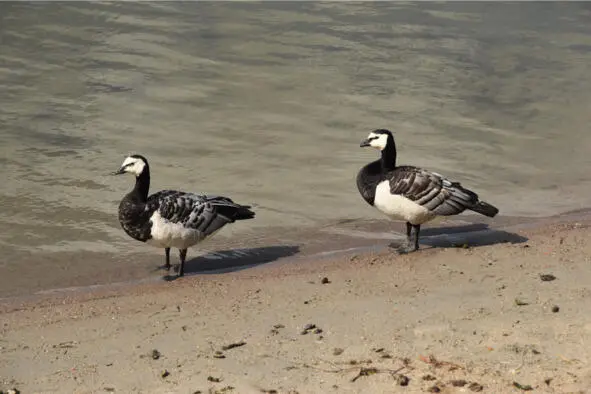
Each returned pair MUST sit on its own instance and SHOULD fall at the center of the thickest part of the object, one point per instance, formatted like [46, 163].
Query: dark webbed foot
[412, 239]
[406, 248]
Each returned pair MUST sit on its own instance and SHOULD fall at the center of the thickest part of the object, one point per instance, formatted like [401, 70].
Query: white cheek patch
[135, 166]
[379, 142]
[128, 160]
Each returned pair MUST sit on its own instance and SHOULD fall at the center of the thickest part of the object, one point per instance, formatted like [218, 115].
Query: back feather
[203, 213]
[436, 193]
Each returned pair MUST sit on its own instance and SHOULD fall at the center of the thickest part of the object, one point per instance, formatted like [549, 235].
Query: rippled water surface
[267, 103]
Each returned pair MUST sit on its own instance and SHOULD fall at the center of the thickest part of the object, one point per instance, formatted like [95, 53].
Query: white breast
[398, 207]
[166, 234]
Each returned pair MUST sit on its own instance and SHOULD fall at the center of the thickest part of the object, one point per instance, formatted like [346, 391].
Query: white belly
[398, 207]
[166, 234]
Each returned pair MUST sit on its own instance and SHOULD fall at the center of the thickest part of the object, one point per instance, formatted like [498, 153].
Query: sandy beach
[499, 318]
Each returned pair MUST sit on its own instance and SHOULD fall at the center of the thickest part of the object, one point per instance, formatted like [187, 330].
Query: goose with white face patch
[411, 194]
[170, 218]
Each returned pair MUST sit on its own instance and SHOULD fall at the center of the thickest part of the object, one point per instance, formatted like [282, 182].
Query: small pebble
[212, 379]
[458, 383]
[155, 354]
[434, 389]
[309, 327]
[519, 302]
[402, 380]
[318, 331]
[547, 277]
[324, 281]
[337, 351]
[218, 354]
[555, 309]
[165, 374]
[477, 387]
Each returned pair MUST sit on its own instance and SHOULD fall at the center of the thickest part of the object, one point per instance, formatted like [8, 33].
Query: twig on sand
[523, 353]
[438, 363]
[365, 372]
[524, 387]
[233, 345]
[362, 371]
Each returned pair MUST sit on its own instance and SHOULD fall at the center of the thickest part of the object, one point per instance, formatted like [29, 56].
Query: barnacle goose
[171, 218]
[411, 194]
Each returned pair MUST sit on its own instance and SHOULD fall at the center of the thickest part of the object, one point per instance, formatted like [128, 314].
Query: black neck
[142, 185]
[389, 155]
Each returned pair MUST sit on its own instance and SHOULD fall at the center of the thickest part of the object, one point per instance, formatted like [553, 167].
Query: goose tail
[485, 209]
[244, 212]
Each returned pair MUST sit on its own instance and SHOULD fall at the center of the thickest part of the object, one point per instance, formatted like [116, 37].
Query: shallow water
[266, 103]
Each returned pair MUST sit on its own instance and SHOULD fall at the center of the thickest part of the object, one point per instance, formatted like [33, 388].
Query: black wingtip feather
[235, 212]
[244, 213]
[485, 209]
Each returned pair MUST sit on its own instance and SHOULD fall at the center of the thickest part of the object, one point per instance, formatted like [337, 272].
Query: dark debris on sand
[233, 345]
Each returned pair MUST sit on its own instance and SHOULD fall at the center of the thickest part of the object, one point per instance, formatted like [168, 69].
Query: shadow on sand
[232, 260]
[478, 234]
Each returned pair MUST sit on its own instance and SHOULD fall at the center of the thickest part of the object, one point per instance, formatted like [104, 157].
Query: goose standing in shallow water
[172, 218]
[412, 194]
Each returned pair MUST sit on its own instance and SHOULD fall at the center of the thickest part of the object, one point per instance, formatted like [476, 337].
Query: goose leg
[167, 265]
[183, 256]
[412, 238]
[404, 247]
[416, 229]
[408, 232]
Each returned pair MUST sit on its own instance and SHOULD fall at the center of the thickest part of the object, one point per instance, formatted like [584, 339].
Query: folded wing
[431, 190]
[205, 214]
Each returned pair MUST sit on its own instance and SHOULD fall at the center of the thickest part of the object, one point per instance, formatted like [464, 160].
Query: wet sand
[454, 319]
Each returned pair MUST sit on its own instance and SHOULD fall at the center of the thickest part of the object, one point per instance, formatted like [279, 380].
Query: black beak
[119, 171]
[364, 143]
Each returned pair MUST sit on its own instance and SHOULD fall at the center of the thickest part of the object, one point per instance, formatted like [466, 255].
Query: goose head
[134, 164]
[378, 139]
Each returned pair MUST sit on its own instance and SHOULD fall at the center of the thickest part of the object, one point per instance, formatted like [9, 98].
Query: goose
[171, 218]
[410, 193]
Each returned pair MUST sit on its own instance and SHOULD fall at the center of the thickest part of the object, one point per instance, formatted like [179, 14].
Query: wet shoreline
[292, 247]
